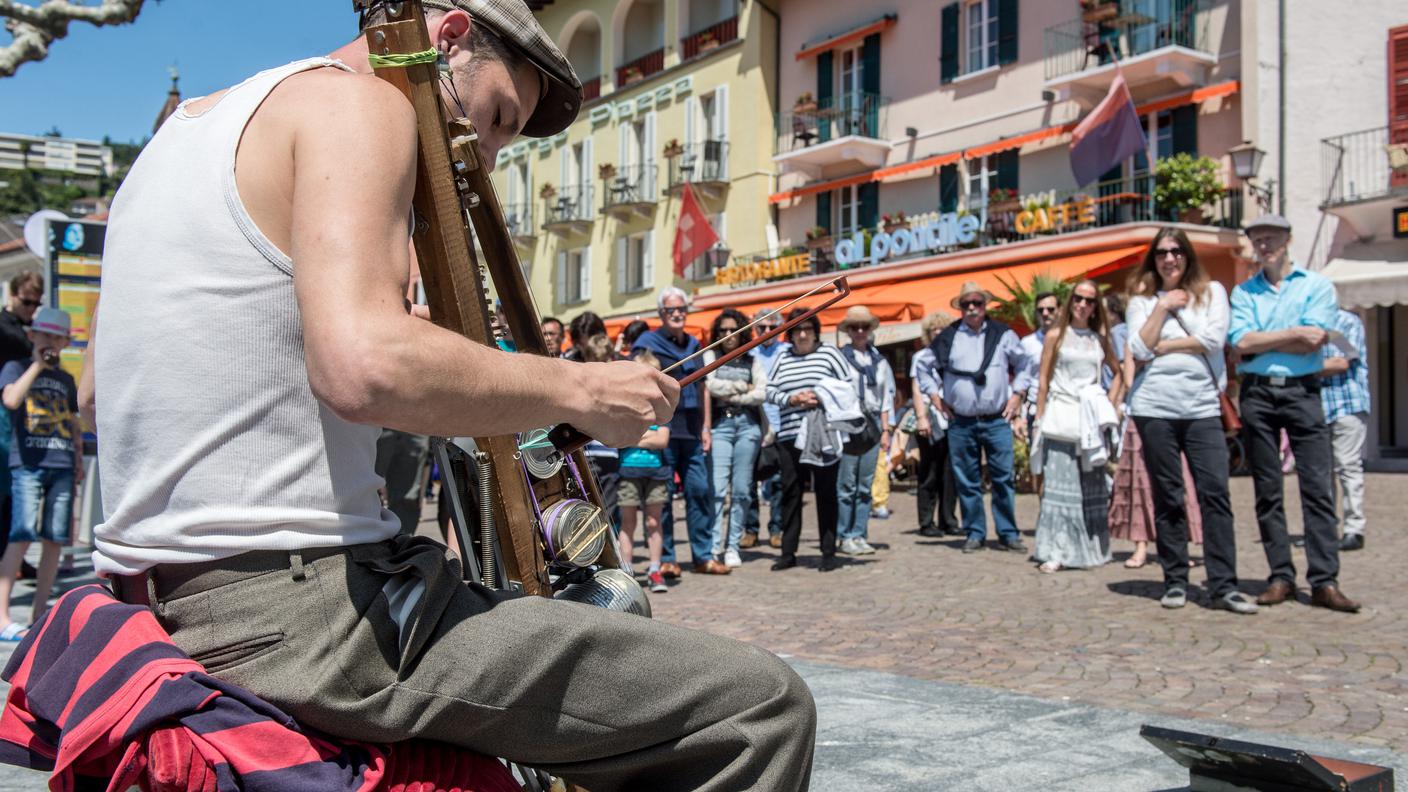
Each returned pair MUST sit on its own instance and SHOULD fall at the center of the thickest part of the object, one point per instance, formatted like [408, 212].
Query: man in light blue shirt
[771, 488]
[1281, 318]
[975, 358]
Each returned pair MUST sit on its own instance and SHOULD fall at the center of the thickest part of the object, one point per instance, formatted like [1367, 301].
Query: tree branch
[34, 28]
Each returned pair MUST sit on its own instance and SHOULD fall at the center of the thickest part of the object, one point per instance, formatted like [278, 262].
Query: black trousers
[823, 489]
[1296, 408]
[936, 487]
[1164, 442]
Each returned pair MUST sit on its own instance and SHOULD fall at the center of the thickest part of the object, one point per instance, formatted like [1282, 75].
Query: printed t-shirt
[43, 425]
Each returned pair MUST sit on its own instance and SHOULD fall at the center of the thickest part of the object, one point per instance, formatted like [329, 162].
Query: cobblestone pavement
[922, 609]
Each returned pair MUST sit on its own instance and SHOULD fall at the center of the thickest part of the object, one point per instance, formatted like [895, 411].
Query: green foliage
[1183, 182]
[28, 191]
[1019, 307]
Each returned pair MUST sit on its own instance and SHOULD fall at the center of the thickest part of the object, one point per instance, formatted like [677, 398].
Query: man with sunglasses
[769, 489]
[26, 295]
[1046, 309]
[977, 359]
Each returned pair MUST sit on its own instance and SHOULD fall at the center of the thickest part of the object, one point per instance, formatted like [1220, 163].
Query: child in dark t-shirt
[46, 458]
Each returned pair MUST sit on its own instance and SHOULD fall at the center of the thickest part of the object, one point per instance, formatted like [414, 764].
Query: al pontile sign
[752, 272]
[944, 231]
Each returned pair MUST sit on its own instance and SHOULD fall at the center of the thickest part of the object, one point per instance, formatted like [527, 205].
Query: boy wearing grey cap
[265, 228]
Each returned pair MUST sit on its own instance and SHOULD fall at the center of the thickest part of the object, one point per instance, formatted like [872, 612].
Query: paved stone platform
[921, 609]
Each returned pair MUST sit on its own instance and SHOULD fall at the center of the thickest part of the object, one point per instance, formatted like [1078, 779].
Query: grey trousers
[608, 700]
[1347, 435]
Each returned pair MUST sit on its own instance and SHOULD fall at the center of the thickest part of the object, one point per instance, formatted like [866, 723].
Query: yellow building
[676, 91]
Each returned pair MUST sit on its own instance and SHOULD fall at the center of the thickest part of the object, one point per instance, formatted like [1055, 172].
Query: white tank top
[211, 443]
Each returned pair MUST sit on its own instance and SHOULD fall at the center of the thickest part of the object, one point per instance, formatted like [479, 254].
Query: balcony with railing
[703, 164]
[629, 191]
[569, 210]
[519, 219]
[850, 128]
[710, 38]
[640, 68]
[1152, 41]
[591, 89]
[1362, 172]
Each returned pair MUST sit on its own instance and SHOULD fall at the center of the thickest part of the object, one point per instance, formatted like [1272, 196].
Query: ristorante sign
[770, 269]
[945, 231]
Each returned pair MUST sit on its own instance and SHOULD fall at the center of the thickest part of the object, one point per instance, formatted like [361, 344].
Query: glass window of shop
[982, 178]
[982, 35]
[847, 218]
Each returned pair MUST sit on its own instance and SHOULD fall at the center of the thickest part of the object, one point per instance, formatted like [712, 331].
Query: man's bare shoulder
[335, 100]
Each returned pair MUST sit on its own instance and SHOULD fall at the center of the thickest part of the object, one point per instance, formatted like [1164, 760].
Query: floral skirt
[1073, 527]
[1132, 506]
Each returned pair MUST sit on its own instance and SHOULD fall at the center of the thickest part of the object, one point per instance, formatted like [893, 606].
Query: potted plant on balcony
[1095, 11]
[1003, 199]
[548, 192]
[673, 148]
[606, 171]
[1184, 185]
[707, 41]
[631, 74]
[894, 222]
[805, 103]
[818, 237]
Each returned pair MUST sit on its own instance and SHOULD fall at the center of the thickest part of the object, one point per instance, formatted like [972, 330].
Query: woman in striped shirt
[792, 387]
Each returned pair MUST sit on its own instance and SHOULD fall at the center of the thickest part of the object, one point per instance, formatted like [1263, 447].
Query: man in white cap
[977, 359]
[1281, 320]
[876, 382]
[253, 341]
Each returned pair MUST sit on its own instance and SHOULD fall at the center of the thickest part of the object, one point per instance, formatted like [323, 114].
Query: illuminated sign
[781, 267]
[1047, 218]
[1400, 222]
[945, 231]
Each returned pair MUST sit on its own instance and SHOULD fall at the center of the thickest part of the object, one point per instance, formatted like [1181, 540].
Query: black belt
[1307, 381]
[983, 417]
[730, 411]
[165, 578]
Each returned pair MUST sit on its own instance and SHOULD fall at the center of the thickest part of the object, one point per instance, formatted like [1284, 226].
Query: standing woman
[1178, 324]
[791, 385]
[1073, 528]
[733, 422]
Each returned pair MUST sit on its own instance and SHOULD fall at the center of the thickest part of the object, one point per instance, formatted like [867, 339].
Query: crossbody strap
[1207, 361]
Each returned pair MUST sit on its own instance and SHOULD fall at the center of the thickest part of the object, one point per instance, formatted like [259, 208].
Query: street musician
[254, 339]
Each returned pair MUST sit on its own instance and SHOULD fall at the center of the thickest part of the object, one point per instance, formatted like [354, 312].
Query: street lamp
[1246, 161]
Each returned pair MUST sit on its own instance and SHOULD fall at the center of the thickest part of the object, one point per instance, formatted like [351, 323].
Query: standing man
[856, 476]
[1046, 308]
[976, 359]
[936, 484]
[769, 489]
[26, 295]
[552, 335]
[687, 452]
[1344, 393]
[1281, 317]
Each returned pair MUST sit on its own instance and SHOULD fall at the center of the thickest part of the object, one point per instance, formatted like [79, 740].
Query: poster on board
[75, 263]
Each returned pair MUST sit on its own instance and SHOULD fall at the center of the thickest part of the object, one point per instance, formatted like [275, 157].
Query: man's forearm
[1334, 366]
[1267, 341]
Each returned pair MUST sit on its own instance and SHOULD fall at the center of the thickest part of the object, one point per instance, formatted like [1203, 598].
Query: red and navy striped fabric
[98, 690]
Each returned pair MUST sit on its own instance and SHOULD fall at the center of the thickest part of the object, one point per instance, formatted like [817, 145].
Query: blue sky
[113, 80]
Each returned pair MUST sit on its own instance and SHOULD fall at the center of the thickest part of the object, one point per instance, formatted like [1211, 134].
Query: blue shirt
[688, 422]
[1347, 393]
[1119, 338]
[962, 394]
[1303, 299]
[767, 354]
[43, 424]
[922, 368]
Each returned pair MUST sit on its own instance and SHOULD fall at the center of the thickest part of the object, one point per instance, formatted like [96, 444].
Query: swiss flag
[693, 234]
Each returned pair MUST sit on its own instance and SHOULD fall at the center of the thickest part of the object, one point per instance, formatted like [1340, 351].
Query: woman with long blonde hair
[1073, 526]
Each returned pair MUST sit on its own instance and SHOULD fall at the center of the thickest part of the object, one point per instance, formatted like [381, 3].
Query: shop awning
[1367, 284]
[911, 300]
[849, 37]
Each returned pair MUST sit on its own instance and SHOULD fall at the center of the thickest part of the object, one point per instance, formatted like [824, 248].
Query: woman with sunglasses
[733, 424]
[1073, 528]
[1178, 324]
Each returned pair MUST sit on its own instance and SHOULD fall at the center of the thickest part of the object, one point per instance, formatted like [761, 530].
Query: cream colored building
[677, 91]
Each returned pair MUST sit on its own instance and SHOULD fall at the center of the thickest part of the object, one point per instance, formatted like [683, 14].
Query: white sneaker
[848, 546]
[863, 547]
[731, 558]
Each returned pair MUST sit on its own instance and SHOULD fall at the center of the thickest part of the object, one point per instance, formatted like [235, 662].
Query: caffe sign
[945, 231]
[1051, 218]
[770, 269]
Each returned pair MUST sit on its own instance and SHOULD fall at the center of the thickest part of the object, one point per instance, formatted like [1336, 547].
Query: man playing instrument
[254, 341]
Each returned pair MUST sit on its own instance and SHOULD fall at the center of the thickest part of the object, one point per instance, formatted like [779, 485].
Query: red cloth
[693, 234]
[98, 690]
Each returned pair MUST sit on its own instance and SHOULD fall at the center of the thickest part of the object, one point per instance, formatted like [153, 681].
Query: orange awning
[848, 37]
[911, 300]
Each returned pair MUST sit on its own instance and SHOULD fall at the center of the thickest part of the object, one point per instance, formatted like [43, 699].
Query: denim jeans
[687, 458]
[969, 439]
[32, 487]
[734, 452]
[853, 483]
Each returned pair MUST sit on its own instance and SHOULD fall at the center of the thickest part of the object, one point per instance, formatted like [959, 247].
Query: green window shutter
[948, 187]
[1006, 31]
[869, 197]
[1007, 169]
[823, 210]
[948, 44]
[870, 84]
[1185, 129]
[824, 99]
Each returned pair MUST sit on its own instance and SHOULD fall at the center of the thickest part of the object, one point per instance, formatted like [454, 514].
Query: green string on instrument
[403, 59]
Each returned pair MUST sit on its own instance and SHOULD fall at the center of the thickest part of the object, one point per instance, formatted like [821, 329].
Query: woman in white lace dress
[1073, 527]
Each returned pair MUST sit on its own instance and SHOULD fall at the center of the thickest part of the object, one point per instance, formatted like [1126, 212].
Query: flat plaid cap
[515, 24]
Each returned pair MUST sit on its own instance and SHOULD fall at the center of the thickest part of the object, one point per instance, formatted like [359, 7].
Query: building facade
[677, 92]
[65, 155]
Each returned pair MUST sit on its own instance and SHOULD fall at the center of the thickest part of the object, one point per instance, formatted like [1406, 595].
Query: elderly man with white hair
[688, 449]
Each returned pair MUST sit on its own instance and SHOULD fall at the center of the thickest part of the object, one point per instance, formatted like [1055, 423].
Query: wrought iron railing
[701, 163]
[860, 114]
[630, 185]
[640, 68]
[591, 89]
[573, 203]
[1138, 27]
[519, 219]
[710, 37]
[1357, 167]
